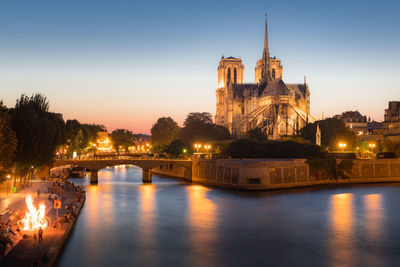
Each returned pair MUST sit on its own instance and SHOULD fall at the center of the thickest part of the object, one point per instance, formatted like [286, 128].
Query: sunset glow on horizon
[124, 64]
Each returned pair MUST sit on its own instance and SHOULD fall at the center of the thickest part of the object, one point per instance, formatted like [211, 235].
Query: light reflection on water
[171, 223]
[342, 228]
[202, 226]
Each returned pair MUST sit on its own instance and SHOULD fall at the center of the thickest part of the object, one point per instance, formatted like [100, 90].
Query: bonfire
[34, 218]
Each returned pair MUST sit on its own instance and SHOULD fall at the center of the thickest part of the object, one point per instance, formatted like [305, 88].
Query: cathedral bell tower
[230, 71]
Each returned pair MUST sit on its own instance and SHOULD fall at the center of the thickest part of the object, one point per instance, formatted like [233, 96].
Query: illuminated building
[103, 142]
[270, 104]
[392, 121]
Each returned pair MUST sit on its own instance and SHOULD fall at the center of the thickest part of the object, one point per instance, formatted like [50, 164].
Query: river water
[174, 223]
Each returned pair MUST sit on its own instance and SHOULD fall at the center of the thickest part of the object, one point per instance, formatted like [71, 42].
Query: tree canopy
[38, 131]
[249, 148]
[177, 148]
[164, 131]
[256, 134]
[8, 142]
[122, 138]
[199, 127]
[333, 131]
[79, 136]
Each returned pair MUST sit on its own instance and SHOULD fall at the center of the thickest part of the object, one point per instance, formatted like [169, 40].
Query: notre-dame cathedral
[270, 104]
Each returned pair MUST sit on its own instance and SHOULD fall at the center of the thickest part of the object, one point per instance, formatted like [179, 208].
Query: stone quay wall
[173, 170]
[266, 174]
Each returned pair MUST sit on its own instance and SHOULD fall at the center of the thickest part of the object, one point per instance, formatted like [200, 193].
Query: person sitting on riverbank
[9, 229]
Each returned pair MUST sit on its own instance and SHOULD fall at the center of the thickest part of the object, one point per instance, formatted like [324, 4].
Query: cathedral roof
[247, 89]
[276, 87]
[299, 89]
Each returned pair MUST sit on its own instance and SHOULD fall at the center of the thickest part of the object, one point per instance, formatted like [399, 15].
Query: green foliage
[333, 131]
[256, 134]
[221, 147]
[164, 132]
[199, 127]
[80, 135]
[248, 148]
[177, 147]
[297, 139]
[8, 142]
[330, 168]
[38, 131]
[391, 146]
[122, 137]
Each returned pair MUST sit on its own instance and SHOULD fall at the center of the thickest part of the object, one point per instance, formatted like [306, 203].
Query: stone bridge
[146, 164]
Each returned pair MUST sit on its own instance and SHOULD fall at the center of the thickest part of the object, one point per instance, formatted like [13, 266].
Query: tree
[38, 131]
[256, 134]
[391, 146]
[164, 131]
[333, 131]
[220, 133]
[122, 138]
[8, 142]
[79, 136]
[250, 148]
[177, 147]
[199, 127]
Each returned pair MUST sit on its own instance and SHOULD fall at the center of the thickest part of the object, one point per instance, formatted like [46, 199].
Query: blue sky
[126, 63]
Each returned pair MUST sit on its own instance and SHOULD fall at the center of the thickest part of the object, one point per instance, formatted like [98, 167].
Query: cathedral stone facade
[270, 104]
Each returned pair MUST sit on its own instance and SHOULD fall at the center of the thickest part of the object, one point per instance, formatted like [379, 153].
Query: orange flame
[34, 218]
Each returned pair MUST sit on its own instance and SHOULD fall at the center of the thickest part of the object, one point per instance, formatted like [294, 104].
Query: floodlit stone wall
[173, 170]
[263, 174]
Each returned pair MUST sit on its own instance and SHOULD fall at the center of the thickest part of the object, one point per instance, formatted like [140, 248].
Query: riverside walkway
[28, 253]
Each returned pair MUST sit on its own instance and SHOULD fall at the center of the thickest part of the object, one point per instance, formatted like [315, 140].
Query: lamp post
[197, 146]
[342, 146]
[372, 146]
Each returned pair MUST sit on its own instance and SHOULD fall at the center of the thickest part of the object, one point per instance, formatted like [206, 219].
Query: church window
[228, 78]
[242, 110]
[234, 76]
[273, 74]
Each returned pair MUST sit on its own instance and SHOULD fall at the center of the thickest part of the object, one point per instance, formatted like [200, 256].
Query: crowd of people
[9, 219]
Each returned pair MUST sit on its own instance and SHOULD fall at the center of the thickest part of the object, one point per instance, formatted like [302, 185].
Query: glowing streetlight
[197, 146]
[342, 145]
[372, 146]
[207, 147]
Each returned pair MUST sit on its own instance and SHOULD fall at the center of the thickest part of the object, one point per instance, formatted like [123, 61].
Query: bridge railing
[126, 157]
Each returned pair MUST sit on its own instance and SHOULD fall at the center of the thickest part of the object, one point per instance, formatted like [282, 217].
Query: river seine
[173, 223]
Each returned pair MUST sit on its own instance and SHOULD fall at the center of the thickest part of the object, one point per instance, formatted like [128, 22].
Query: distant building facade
[354, 121]
[270, 104]
[391, 124]
[364, 128]
[103, 142]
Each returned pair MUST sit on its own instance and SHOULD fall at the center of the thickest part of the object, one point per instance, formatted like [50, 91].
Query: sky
[124, 64]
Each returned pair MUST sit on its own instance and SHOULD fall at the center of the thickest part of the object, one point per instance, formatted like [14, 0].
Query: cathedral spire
[266, 50]
[265, 71]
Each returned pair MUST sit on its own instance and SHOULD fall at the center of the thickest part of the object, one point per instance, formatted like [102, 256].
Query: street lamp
[197, 146]
[372, 146]
[342, 145]
[207, 147]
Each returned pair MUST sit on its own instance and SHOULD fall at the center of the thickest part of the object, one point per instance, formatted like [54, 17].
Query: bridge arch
[94, 165]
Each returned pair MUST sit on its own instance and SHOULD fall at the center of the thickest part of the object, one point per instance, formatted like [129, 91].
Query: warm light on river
[172, 223]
